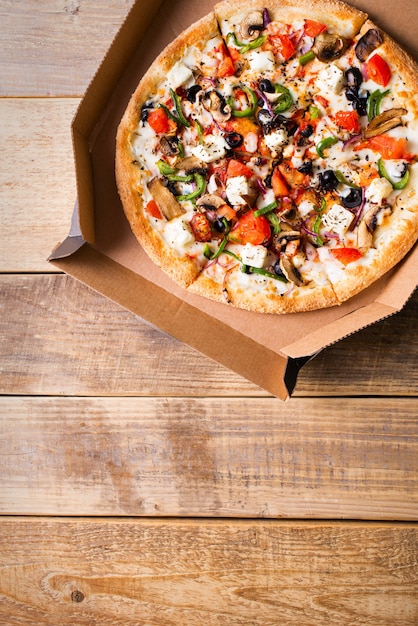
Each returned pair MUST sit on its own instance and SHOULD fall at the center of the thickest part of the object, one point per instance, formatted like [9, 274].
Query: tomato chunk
[153, 210]
[346, 255]
[251, 229]
[201, 227]
[313, 28]
[236, 168]
[158, 120]
[378, 70]
[226, 66]
[284, 45]
[278, 183]
[388, 147]
[348, 120]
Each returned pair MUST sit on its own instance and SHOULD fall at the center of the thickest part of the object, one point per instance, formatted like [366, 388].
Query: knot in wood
[77, 596]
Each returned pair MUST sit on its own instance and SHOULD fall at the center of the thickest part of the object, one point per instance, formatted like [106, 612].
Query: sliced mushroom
[252, 25]
[328, 47]
[165, 200]
[216, 104]
[210, 201]
[364, 237]
[281, 240]
[369, 42]
[290, 271]
[369, 224]
[190, 164]
[169, 145]
[384, 122]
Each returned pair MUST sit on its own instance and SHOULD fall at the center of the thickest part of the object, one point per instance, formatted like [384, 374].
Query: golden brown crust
[289, 299]
[342, 18]
[130, 179]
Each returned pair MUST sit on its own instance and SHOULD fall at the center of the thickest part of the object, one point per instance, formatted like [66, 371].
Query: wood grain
[60, 337]
[37, 180]
[53, 48]
[236, 573]
[214, 457]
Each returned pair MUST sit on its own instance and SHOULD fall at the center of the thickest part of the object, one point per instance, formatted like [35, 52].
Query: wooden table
[144, 484]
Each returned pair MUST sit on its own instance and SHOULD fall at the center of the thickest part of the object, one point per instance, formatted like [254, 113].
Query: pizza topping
[216, 104]
[378, 70]
[328, 47]
[384, 121]
[330, 79]
[373, 103]
[399, 173]
[165, 200]
[346, 255]
[252, 25]
[213, 148]
[379, 189]
[368, 43]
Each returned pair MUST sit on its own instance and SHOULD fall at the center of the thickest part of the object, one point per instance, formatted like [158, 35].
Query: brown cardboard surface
[256, 346]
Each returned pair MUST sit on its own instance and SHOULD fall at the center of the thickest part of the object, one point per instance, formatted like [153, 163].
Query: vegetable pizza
[268, 157]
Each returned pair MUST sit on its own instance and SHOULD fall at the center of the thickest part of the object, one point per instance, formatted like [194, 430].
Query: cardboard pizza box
[101, 251]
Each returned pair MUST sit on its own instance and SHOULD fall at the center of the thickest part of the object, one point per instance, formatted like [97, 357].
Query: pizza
[268, 157]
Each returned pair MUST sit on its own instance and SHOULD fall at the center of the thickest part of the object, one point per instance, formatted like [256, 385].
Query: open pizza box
[101, 252]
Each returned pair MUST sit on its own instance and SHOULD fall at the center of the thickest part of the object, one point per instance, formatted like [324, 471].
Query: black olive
[328, 181]
[278, 270]
[353, 199]
[306, 167]
[266, 85]
[145, 109]
[264, 118]
[219, 224]
[354, 78]
[291, 127]
[307, 131]
[267, 181]
[192, 92]
[361, 106]
[234, 140]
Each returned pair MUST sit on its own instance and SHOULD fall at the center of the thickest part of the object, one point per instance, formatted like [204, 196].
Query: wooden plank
[51, 323]
[189, 572]
[37, 180]
[213, 457]
[53, 48]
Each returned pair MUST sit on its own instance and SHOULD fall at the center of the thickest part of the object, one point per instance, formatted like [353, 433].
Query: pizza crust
[342, 18]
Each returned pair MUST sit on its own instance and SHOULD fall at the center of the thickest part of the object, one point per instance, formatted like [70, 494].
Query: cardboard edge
[266, 368]
[95, 102]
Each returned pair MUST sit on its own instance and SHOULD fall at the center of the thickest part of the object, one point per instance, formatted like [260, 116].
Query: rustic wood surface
[136, 475]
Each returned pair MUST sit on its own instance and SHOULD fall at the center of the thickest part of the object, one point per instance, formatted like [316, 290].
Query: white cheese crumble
[306, 207]
[330, 79]
[236, 187]
[214, 147]
[253, 255]
[178, 233]
[178, 75]
[261, 61]
[338, 219]
[276, 139]
[378, 189]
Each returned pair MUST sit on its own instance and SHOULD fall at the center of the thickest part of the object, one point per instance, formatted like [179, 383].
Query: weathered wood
[215, 457]
[37, 180]
[53, 48]
[59, 337]
[189, 572]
